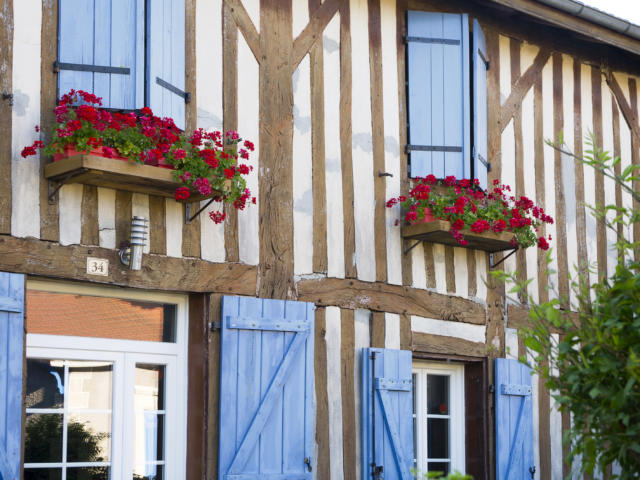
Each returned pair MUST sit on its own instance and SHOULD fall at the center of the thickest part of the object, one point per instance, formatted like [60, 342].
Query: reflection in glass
[43, 438]
[438, 394]
[105, 317]
[149, 420]
[43, 474]
[88, 473]
[148, 472]
[415, 420]
[45, 383]
[88, 437]
[442, 467]
[90, 385]
[438, 437]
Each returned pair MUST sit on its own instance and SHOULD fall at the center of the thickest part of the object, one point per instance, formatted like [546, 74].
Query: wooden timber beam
[562, 19]
[246, 26]
[628, 113]
[444, 345]
[313, 30]
[48, 259]
[383, 297]
[521, 87]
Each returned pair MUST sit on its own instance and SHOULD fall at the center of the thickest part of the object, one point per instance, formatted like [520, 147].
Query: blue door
[514, 421]
[267, 407]
[387, 414]
[11, 358]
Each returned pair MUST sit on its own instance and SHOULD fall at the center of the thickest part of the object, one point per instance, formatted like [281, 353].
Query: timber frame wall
[319, 87]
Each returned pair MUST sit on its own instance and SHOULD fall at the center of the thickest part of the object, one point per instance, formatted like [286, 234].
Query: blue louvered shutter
[481, 165]
[101, 50]
[267, 399]
[387, 413]
[11, 358]
[514, 420]
[438, 92]
[166, 60]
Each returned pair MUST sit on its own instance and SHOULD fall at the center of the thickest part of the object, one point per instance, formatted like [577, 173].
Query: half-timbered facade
[303, 337]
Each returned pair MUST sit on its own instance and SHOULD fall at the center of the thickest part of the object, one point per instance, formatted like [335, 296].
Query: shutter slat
[101, 33]
[480, 158]
[514, 420]
[266, 390]
[439, 96]
[393, 422]
[167, 62]
[11, 361]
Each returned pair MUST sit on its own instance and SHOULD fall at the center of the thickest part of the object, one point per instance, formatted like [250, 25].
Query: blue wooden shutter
[166, 63]
[267, 406]
[481, 163]
[514, 420]
[11, 358]
[387, 421]
[101, 50]
[438, 92]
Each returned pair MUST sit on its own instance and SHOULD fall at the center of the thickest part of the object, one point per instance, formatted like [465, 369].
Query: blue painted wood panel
[388, 412]
[480, 158]
[166, 58]
[267, 400]
[103, 33]
[438, 93]
[11, 360]
[514, 420]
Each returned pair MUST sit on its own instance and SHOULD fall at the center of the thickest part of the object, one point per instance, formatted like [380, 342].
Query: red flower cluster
[203, 161]
[467, 207]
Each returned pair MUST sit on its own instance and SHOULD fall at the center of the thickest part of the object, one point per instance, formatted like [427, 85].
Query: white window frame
[455, 372]
[125, 354]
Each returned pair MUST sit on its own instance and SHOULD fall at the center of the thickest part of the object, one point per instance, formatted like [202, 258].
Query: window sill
[437, 231]
[116, 174]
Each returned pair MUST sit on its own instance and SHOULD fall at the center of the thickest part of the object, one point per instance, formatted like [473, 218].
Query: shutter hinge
[174, 89]
[491, 389]
[214, 326]
[487, 63]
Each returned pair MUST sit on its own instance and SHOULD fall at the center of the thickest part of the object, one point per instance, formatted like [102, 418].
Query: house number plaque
[98, 266]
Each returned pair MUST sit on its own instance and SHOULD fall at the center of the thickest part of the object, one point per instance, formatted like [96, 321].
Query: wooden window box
[116, 174]
[437, 231]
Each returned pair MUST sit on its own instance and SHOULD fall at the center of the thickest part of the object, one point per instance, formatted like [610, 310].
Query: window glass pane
[45, 383]
[90, 385]
[43, 474]
[89, 437]
[438, 394]
[105, 317]
[148, 472]
[438, 437]
[88, 473]
[43, 438]
[149, 421]
[441, 467]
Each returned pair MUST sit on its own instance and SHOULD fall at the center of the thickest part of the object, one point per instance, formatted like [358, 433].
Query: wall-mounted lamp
[132, 255]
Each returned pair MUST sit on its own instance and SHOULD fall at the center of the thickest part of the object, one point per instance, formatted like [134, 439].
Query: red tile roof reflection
[86, 316]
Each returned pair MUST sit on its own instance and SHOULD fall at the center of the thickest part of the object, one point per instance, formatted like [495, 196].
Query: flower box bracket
[438, 231]
[188, 218]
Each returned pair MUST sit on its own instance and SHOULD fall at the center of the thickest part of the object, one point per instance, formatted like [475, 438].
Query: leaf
[533, 344]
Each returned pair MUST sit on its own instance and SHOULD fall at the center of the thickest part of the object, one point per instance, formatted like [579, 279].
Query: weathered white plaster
[392, 331]
[174, 219]
[70, 217]
[25, 172]
[107, 217]
[303, 207]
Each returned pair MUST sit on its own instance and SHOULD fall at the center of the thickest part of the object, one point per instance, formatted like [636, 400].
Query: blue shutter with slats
[480, 66]
[438, 93]
[514, 420]
[387, 422]
[11, 358]
[100, 50]
[267, 399]
[166, 60]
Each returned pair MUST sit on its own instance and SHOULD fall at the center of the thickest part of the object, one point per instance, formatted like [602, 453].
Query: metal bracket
[431, 148]
[214, 326]
[174, 89]
[8, 96]
[54, 187]
[188, 218]
[407, 250]
[487, 63]
[385, 174]
[80, 67]
[441, 41]
[493, 265]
